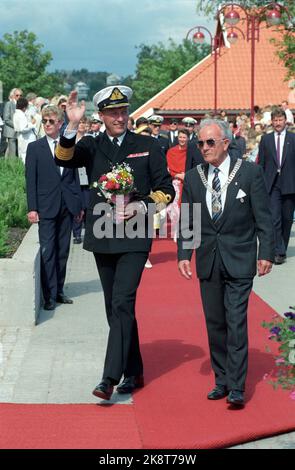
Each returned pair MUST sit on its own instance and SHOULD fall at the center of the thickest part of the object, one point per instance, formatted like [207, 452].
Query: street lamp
[272, 13]
[198, 37]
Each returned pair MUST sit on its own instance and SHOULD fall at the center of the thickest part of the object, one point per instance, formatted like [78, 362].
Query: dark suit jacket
[236, 232]
[144, 156]
[46, 186]
[267, 158]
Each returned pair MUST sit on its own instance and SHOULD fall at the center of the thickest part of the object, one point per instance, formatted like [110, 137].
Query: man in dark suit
[173, 133]
[276, 155]
[155, 123]
[234, 210]
[54, 198]
[120, 259]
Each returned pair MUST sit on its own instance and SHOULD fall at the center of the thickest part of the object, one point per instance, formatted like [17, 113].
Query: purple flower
[292, 328]
[290, 315]
[275, 330]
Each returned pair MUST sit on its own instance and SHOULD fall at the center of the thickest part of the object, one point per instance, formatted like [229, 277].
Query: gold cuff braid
[63, 153]
[159, 196]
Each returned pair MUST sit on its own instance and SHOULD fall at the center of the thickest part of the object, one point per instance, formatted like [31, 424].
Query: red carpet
[172, 410]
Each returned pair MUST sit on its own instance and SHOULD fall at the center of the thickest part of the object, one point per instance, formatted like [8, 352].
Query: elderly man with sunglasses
[54, 198]
[234, 209]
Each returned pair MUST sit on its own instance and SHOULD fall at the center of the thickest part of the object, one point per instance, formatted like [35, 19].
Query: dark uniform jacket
[242, 221]
[97, 155]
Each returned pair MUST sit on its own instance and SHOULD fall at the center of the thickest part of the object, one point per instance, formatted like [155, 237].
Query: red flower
[110, 185]
[102, 178]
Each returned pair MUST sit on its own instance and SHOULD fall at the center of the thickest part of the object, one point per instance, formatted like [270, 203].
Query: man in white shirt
[54, 198]
[289, 114]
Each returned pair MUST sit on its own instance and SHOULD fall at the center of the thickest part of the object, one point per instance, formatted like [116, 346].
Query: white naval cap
[189, 121]
[115, 96]
[156, 119]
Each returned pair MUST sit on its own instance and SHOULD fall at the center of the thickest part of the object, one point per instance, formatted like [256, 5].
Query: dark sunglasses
[51, 121]
[210, 142]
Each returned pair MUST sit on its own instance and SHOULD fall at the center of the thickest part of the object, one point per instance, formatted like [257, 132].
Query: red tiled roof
[194, 90]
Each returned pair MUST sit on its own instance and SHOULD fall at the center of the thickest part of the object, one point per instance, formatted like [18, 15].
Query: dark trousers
[120, 276]
[77, 226]
[54, 237]
[225, 303]
[282, 210]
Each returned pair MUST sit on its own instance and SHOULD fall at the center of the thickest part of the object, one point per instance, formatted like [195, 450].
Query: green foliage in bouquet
[282, 331]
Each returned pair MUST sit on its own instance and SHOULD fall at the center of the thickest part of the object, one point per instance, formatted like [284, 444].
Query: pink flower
[280, 360]
[292, 395]
[103, 178]
[265, 376]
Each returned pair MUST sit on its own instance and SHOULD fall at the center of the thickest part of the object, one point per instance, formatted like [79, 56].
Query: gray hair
[223, 126]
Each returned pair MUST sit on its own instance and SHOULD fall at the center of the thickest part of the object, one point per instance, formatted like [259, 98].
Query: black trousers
[282, 209]
[120, 275]
[225, 303]
[54, 237]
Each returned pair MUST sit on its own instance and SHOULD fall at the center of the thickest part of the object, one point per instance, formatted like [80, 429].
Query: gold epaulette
[159, 196]
[63, 153]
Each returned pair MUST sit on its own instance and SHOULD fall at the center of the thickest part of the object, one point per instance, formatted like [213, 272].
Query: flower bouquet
[282, 331]
[117, 186]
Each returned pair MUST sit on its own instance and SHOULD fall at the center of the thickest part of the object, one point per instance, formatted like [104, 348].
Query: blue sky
[100, 35]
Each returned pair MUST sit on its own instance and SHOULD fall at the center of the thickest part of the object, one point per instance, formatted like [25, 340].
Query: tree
[158, 66]
[286, 47]
[23, 65]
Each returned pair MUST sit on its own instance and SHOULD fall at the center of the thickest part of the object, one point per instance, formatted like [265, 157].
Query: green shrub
[13, 202]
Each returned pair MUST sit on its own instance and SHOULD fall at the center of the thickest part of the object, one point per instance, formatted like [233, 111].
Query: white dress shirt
[223, 177]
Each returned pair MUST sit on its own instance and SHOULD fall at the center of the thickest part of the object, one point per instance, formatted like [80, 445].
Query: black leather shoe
[77, 240]
[220, 391]
[129, 384]
[63, 299]
[280, 259]
[49, 305]
[103, 390]
[236, 398]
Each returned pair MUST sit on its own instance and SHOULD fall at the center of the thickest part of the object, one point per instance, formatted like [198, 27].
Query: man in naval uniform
[234, 214]
[120, 260]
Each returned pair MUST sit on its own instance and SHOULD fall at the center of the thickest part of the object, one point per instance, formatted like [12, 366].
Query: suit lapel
[287, 146]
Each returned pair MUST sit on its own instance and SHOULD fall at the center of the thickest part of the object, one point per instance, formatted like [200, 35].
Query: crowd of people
[243, 178]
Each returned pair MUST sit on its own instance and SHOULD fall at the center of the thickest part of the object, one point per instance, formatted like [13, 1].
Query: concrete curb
[20, 287]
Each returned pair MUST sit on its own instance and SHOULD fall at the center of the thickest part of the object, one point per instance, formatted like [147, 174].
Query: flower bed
[282, 331]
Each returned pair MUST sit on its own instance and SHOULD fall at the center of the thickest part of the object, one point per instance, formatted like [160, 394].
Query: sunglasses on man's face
[50, 121]
[209, 142]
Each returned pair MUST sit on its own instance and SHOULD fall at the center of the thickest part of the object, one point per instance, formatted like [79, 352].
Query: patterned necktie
[216, 199]
[279, 151]
[116, 142]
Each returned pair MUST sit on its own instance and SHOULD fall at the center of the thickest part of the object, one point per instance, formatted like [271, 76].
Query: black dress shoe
[236, 398]
[77, 240]
[129, 384]
[49, 305]
[103, 390]
[63, 299]
[220, 391]
[280, 259]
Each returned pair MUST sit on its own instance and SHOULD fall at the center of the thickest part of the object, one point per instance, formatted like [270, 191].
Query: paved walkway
[60, 360]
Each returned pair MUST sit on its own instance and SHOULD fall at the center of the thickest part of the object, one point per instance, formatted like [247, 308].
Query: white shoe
[148, 264]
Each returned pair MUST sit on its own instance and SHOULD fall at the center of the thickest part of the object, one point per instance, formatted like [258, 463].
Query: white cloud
[99, 34]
